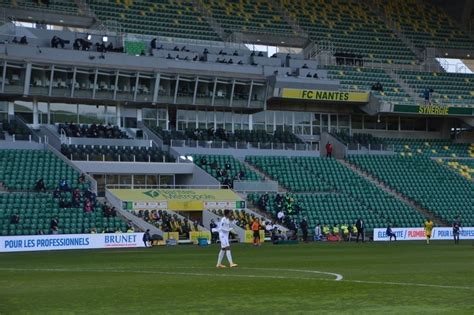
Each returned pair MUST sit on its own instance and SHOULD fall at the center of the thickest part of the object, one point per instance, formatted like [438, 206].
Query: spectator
[82, 179]
[260, 54]
[235, 53]
[176, 48]
[304, 229]
[315, 75]
[305, 66]
[377, 87]
[203, 161]
[146, 237]
[281, 216]
[328, 149]
[317, 232]
[63, 185]
[427, 95]
[214, 165]
[15, 219]
[360, 225]
[240, 175]
[390, 233]
[40, 185]
[23, 41]
[88, 206]
[54, 223]
[169, 57]
[308, 75]
[76, 198]
[228, 166]
[15, 41]
[153, 43]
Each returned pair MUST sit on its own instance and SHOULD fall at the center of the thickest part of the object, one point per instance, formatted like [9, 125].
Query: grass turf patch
[403, 277]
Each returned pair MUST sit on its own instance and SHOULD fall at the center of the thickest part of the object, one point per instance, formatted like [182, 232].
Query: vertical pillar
[35, 114]
[118, 112]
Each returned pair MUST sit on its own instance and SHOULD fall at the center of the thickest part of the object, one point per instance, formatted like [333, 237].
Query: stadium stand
[14, 128]
[421, 179]
[223, 138]
[24, 212]
[92, 131]
[425, 24]
[168, 222]
[21, 169]
[428, 147]
[165, 18]
[225, 168]
[448, 88]
[53, 6]
[248, 16]
[114, 153]
[352, 27]
[464, 167]
[358, 78]
[344, 189]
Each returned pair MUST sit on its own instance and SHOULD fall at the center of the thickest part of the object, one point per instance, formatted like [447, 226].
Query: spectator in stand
[153, 43]
[304, 229]
[281, 216]
[214, 165]
[203, 161]
[240, 175]
[54, 223]
[82, 179]
[305, 66]
[15, 40]
[15, 219]
[427, 95]
[40, 185]
[76, 198]
[317, 232]
[88, 206]
[228, 166]
[377, 87]
[23, 41]
[328, 149]
[63, 185]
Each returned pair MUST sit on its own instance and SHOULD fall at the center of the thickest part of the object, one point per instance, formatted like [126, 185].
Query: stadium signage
[178, 199]
[432, 110]
[69, 241]
[418, 234]
[331, 96]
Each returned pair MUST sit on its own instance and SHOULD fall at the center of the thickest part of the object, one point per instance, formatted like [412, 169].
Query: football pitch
[323, 278]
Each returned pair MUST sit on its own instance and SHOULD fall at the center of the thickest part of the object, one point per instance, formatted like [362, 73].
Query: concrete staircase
[264, 175]
[216, 26]
[391, 73]
[394, 193]
[288, 19]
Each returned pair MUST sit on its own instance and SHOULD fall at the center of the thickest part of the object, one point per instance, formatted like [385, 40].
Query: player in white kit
[224, 228]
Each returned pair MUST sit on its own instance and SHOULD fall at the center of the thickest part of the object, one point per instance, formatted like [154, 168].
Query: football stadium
[241, 156]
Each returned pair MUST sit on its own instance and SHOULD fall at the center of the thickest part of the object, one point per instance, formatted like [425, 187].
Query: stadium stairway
[394, 193]
[262, 174]
[395, 77]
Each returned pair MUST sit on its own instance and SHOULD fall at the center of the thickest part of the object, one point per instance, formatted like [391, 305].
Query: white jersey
[223, 227]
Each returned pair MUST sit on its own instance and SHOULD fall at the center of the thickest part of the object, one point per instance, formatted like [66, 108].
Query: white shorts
[224, 241]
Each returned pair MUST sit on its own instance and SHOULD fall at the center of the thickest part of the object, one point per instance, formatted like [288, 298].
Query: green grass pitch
[378, 278]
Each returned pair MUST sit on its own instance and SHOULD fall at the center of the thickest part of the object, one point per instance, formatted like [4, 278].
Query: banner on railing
[330, 96]
[178, 199]
[418, 234]
[27, 243]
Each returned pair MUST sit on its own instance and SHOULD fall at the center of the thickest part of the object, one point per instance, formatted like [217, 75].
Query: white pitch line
[176, 273]
[241, 276]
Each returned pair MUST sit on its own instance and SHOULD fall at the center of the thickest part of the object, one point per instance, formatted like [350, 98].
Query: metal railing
[163, 186]
[239, 145]
[371, 147]
[118, 158]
